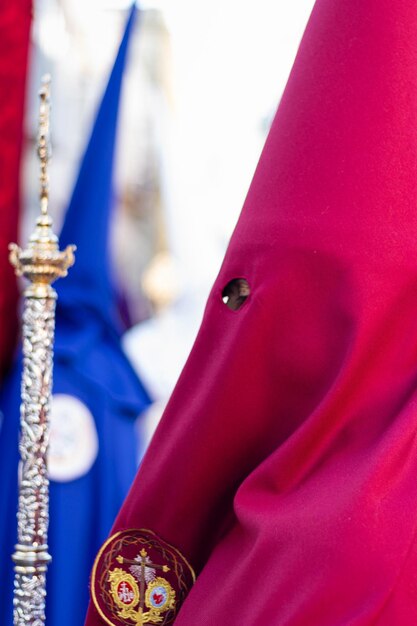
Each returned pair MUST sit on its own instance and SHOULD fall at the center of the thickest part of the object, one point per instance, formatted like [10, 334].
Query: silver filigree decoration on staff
[42, 263]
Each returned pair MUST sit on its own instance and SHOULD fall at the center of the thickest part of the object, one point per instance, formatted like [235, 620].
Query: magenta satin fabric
[285, 466]
[15, 24]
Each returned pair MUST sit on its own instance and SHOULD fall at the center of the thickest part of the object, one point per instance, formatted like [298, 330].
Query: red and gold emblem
[139, 579]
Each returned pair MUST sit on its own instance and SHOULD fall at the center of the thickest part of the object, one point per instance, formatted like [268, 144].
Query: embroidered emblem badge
[139, 579]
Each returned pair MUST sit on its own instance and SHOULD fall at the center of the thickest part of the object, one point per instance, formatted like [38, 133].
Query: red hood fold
[285, 465]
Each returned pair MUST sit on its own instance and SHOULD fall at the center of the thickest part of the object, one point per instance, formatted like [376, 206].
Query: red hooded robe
[15, 21]
[285, 466]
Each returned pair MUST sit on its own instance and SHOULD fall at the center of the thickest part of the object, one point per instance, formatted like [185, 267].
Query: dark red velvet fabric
[285, 466]
[15, 19]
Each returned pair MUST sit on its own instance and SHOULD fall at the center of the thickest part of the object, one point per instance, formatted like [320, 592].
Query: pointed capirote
[88, 217]
[284, 469]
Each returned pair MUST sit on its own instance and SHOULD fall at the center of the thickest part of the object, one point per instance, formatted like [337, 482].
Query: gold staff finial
[42, 262]
[44, 146]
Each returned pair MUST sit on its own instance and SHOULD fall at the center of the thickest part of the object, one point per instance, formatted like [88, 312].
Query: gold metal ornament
[41, 263]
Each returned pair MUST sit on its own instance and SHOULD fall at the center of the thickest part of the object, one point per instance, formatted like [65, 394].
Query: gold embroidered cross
[143, 561]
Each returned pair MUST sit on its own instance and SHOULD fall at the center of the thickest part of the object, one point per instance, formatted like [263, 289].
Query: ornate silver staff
[42, 262]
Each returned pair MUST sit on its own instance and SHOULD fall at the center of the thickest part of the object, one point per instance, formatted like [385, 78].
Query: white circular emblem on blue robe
[73, 442]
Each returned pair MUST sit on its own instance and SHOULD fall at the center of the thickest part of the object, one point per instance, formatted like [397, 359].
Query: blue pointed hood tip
[89, 285]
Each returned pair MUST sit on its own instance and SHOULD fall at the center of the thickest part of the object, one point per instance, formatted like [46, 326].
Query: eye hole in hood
[235, 293]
